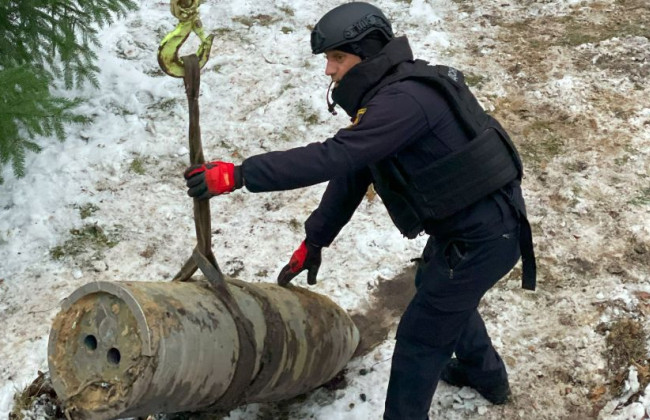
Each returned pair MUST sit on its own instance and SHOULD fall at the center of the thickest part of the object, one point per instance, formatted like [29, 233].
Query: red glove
[306, 257]
[213, 178]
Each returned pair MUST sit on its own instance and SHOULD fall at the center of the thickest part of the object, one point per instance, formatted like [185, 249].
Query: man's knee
[424, 325]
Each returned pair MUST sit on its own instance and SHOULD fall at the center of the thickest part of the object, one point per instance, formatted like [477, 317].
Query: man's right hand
[206, 180]
[306, 257]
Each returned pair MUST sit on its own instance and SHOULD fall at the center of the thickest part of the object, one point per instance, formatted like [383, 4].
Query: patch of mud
[623, 57]
[389, 300]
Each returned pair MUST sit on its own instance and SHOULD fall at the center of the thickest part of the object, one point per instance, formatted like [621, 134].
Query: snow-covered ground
[577, 107]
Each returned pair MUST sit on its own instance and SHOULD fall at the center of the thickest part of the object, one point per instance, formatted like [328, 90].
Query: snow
[257, 90]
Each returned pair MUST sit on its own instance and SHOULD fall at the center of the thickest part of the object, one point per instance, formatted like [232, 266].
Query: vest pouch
[462, 178]
[392, 188]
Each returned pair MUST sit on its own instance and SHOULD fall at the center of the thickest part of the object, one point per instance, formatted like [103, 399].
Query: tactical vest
[486, 164]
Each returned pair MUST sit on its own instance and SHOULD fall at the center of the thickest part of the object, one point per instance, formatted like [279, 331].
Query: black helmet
[348, 24]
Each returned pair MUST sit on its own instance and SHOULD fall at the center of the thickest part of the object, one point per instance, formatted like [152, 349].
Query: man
[440, 164]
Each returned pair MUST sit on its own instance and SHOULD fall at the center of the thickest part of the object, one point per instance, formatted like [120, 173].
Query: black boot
[456, 374]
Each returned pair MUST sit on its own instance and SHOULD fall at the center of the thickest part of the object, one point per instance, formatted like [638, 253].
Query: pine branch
[27, 109]
[51, 33]
[43, 40]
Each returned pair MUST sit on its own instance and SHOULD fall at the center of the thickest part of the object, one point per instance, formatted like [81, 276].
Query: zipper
[448, 259]
[453, 248]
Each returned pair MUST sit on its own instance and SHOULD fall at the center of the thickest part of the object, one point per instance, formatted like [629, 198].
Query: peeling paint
[99, 370]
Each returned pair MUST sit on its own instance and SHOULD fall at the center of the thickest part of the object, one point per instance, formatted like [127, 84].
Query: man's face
[338, 63]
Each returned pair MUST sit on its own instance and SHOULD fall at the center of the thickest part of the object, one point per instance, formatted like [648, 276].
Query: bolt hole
[91, 342]
[113, 356]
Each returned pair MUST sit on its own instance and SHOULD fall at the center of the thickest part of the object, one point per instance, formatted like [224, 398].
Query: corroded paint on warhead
[124, 349]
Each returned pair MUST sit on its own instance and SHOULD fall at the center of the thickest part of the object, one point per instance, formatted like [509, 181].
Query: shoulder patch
[358, 117]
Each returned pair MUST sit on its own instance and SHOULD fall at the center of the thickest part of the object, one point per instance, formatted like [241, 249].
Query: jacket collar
[367, 74]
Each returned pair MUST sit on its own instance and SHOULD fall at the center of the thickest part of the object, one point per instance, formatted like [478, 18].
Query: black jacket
[407, 118]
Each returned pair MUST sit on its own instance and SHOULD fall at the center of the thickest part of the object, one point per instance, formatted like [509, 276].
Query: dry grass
[37, 396]
[626, 343]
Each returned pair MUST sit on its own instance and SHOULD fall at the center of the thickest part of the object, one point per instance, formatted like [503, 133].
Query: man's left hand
[306, 257]
[213, 178]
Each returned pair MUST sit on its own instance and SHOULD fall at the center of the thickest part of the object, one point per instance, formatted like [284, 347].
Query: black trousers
[442, 319]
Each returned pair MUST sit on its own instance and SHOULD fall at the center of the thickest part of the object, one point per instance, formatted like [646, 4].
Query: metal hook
[187, 12]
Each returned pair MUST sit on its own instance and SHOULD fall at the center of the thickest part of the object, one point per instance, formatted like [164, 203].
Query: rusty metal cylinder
[126, 349]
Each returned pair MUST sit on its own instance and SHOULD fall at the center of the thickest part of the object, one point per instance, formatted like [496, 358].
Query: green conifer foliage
[40, 41]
